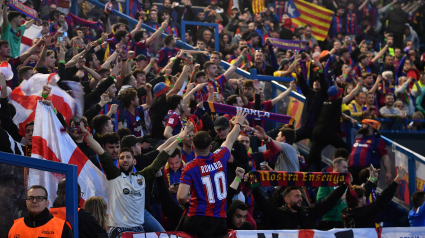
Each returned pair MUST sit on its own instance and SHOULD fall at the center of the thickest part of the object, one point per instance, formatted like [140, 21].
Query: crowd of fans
[173, 164]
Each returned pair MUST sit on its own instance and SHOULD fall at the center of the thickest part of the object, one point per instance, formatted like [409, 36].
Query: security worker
[39, 222]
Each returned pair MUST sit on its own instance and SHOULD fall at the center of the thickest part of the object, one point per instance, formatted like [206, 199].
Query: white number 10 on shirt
[220, 184]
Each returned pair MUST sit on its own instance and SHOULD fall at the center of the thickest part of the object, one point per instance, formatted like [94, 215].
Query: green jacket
[335, 213]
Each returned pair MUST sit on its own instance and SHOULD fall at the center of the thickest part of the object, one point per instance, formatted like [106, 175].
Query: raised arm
[28, 24]
[380, 53]
[179, 82]
[5, 19]
[283, 95]
[235, 65]
[233, 135]
[353, 92]
[149, 98]
[40, 62]
[376, 85]
[192, 91]
[137, 28]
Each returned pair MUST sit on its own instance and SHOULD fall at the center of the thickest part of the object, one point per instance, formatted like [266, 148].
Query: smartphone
[372, 168]
[65, 34]
[60, 40]
[177, 4]
[217, 95]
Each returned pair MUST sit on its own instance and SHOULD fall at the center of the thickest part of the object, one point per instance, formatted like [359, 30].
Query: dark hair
[202, 140]
[3, 42]
[361, 57]
[51, 15]
[289, 135]
[126, 79]
[31, 123]
[248, 83]
[75, 119]
[364, 174]
[216, 53]
[89, 57]
[289, 189]
[127, 96]
[126, 149]
[138, 35]
[200, 74]
[208, 64]
[99, 122]
[102, 70]
[12, 15]
[233, 48]
[176, 152]
[124, 131]
[201, 40]
[173, 101]
[341, 152]
[110, 138]
[168, 39]
[39, 187]
[116, 26]
[242, 206]
[353, 201]
[366, 75]
[119, 35]
[418, 198]
[389, 94]
[141, 57]
[343, 51]
[138, 71]
[232, 99]
[22, 71]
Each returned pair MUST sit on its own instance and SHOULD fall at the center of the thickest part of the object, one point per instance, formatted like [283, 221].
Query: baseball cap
[160, 88]
[130, 140]
[221, 123]
[252, 34]
[283, 62]
[372, 123]
[334, 92]
[233, 8]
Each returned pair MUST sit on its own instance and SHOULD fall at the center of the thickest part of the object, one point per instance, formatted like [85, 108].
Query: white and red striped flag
[25, 97]
[51, 143]
[29, 35]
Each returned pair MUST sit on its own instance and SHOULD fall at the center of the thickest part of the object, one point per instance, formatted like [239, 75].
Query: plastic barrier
[390, 232]
[70, 171]
[216, 37]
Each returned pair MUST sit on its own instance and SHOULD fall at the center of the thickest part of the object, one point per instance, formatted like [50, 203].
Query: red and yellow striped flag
[318, 17]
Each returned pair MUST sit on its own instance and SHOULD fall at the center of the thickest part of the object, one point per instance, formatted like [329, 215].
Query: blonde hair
[97, 207]
[397, 102]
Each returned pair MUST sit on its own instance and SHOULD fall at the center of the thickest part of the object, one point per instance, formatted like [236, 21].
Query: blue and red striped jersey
[207, 176]
[367, 150]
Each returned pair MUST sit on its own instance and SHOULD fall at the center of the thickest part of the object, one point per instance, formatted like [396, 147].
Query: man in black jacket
[87, 225]
[39, 216]
[293, 216]
[396, 18]
[312, 106]
[239, 153]
[358, 214]
[236, 216]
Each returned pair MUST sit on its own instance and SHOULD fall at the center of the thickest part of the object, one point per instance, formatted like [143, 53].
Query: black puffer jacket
[396, 19]
[364, 217]
[306, 218]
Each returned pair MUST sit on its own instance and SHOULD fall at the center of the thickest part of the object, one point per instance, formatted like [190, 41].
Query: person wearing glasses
[87, 225]
[39, 221]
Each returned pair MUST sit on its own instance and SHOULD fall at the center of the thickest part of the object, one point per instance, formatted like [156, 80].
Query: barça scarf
[289, 44]
[23, 9]
[251, 113]
[313, 179]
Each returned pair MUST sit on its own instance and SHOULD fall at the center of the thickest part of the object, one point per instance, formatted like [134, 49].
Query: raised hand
[260, 133]
[200, 86]
[104, 99]
[292, 85]
[240, 172]
[256, 85]
[148, 87]
[240, 117]
[46, 90]
[116, 70]
[114, 108]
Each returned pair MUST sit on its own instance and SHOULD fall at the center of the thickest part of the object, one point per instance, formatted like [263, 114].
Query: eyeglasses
[38, 198]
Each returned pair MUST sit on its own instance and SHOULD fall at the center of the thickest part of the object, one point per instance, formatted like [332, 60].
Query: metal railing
[216, 36]
[70, 172]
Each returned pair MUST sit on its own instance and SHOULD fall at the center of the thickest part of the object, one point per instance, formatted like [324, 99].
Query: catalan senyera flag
[258, 6]
[305, 13]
